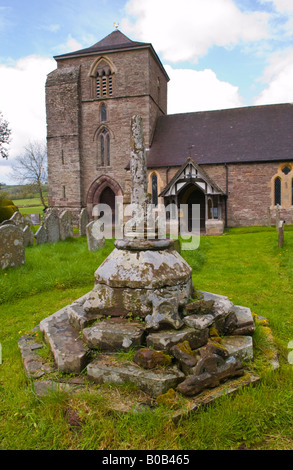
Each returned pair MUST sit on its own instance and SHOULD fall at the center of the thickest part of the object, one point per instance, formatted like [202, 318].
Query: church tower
[90, 99]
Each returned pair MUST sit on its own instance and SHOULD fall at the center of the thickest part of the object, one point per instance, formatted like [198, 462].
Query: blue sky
[227, 53]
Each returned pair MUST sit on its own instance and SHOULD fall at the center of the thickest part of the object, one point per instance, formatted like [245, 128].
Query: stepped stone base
[81, 340]
[69, 352]
[154, 382]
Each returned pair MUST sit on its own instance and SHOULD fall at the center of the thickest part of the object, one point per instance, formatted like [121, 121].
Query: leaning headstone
[12, 251]
[83, 221]
[65, 225]
[18, 219]
[52, 227]
[281, 234]
[41, 235]
[28, 236]
[93, 233]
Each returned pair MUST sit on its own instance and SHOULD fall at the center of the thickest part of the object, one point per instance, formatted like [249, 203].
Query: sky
[218, 53]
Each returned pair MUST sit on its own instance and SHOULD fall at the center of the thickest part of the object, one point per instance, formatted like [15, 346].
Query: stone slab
[166, 339]
[208, 396]
[241, 347]
[245, 322]
[199, 322]
[222, 304]
[154, 382]
[33, 363]
[79, 318]
[114, 335]
[67, 348]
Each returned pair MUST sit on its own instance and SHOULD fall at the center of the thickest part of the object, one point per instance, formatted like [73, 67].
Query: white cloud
[70, 45]
[190, 90]
[22, 102]
[283, 6]
[185, 30]
[278, 77]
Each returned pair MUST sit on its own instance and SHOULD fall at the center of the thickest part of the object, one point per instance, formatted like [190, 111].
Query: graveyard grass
[244, 264]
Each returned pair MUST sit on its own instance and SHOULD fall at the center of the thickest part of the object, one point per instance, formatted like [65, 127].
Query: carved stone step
[155, 382]
[67, 348]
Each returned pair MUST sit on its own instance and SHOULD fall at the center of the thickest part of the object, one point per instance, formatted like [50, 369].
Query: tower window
[154, 189]
[104, 147]
[104, 83]
[278, 195]
[103, 112]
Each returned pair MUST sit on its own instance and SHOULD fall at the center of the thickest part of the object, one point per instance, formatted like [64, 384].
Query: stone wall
[251, 193]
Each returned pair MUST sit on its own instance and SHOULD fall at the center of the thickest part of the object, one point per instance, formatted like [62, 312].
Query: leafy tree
[32, 167]
[4, 136]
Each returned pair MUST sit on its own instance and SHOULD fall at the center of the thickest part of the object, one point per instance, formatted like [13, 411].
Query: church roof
[114, 41]
[239, 135]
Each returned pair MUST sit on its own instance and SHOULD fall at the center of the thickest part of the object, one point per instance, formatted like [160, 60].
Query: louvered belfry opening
[104, 82]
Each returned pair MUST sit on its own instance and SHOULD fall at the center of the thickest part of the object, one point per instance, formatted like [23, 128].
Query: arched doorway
[104, 190]
[108, 197]
[190, 195]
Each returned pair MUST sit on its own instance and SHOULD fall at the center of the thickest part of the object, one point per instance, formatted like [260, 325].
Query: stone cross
[138, 171]
[138, 166]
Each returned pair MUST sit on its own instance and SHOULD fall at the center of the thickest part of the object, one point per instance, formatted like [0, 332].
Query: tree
[4, 136]
[31, 167]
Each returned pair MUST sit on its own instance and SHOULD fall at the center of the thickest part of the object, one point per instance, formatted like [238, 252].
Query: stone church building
[237, 164]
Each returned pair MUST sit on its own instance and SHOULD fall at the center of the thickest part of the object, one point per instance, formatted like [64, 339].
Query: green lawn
[244, 264]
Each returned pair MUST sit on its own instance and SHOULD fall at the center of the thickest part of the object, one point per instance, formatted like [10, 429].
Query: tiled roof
[251, 134]
[114, 41]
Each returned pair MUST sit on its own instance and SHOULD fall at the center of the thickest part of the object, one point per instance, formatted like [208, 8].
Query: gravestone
[94, 240]
[41, 235]
[18, 219]
[51, 224]
[65, 225]
[28, 236]
[83, 221]
[12, 251]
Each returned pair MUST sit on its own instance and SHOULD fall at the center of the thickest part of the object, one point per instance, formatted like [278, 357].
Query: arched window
[104, 148]
[154, 189]
[278, 193]
[103, 112]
